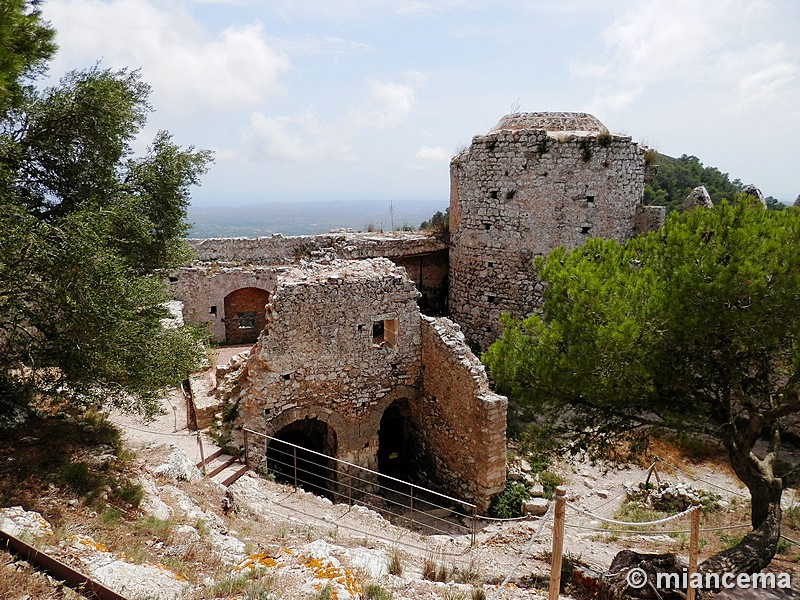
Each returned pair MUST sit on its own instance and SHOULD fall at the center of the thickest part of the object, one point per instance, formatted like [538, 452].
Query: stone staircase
[222, 467]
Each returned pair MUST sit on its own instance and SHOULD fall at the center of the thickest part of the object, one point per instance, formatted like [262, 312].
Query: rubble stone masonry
[535, 182]
[342, 343]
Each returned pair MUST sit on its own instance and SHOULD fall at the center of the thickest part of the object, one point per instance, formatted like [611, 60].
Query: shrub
[509, 503]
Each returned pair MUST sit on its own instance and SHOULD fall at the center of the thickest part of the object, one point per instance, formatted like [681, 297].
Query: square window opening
[384, 333]
[246, 320]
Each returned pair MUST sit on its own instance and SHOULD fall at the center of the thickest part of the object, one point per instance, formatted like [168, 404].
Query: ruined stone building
[348, 366]
[536, 181]
[351, 356]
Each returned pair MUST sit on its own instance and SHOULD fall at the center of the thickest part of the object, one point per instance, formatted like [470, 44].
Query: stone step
[219, 464]
[231, 477]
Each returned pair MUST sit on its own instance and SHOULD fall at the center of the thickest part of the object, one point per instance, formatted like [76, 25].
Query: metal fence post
[411, 495]
[202, 454]
[474, 523]
[294, 455]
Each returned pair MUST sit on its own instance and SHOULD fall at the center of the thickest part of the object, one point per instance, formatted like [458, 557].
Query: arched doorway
[295, 455]
[395, 441]
[245, 315]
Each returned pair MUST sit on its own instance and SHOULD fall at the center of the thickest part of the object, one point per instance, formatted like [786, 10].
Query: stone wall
[343, 343]
[530, 185]
[466, 435]
[318, 356]
[203, 290]
[282, 250]
[224, 265]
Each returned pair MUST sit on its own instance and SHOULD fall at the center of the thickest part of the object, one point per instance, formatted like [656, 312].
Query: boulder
[697, 198]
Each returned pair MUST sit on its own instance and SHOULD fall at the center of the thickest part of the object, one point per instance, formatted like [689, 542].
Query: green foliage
[661, 330]
[676, 177]
[508, 503]
[26, 43]
[694, 329]
[373, 591]
[792, 514]
[438, 223]
[87, 232]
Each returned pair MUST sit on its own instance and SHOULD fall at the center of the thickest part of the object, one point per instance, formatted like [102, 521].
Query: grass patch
[253, 585]
[373, 591]
[395, 566]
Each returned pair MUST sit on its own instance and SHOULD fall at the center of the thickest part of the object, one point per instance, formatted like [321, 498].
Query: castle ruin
[536, 181]
[350, 355]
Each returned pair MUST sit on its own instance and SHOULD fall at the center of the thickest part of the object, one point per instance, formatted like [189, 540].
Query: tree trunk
[757, 548]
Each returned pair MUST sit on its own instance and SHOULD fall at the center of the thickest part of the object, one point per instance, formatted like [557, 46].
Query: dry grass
[18, 581]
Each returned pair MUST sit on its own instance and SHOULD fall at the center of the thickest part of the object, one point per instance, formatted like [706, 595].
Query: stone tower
[534, 182]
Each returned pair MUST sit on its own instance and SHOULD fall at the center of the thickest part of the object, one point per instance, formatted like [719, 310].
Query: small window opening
[487, 226]
[586, 229]
[493, 195]
[287, 376]
[490, 264]
[361, 328]
[213, 311]
[247, 320]
[491, 299]
[173, 279]
[590, 199]
[384, 333]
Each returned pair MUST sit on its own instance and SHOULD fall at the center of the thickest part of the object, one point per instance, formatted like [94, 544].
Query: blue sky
[368, 99]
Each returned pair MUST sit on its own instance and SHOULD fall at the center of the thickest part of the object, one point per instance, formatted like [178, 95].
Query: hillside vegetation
[676, 177]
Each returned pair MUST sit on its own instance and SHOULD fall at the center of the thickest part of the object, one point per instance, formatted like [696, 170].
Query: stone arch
[299, 453]
[245, 314]
[399, 441]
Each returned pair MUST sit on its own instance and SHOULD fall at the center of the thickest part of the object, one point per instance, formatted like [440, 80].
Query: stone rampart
[521, 191]
[278, 250]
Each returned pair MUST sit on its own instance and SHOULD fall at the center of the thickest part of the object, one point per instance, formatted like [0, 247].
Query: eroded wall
[465, 422]
[323, 357]
[531, 184]
[318, 357]
[203, 290]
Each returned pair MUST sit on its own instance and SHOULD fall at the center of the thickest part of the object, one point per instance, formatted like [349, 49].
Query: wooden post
[694, 534]
[558, 542]
[202, 454]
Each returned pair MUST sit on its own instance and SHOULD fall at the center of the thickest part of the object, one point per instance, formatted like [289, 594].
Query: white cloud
[188, 66]
[715, 45]
[434, 154]
[302, 137]
[305, 136]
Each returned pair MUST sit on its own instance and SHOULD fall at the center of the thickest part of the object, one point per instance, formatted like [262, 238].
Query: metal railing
[402, 502]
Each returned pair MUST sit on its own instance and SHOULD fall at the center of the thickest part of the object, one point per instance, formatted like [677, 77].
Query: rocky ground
[193, 538]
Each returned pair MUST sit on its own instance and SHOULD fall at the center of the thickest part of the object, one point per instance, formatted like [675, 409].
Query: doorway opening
[295, 456]
[395, 442]
[245, 315]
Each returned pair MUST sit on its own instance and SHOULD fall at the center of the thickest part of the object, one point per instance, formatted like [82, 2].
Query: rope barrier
[659, 532]
[695, 478]
[534, 537]
[647, 523]
[157, 433]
